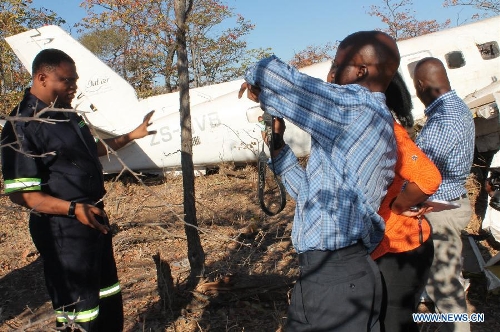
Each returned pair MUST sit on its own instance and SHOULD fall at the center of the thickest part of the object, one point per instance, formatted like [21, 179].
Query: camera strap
[262, 165]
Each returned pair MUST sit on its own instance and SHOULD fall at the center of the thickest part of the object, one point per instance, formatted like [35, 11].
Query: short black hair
[49, 59]
[398, 99]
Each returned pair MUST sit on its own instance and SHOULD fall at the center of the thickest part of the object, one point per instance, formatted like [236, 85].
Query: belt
[315, 257]
[459, 197]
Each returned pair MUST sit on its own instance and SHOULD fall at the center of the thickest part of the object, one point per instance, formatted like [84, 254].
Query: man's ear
[420, 85]
[362, 72]
[40, 77]
[330, 78]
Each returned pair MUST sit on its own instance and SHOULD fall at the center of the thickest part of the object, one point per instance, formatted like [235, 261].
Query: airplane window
[489, 50]
[455, 59]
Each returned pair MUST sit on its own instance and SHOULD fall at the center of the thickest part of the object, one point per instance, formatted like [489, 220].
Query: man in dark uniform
[53, 169]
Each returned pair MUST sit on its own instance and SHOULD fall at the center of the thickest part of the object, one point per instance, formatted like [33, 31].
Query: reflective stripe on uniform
[108, 291]
[82, 316]
[22, 184]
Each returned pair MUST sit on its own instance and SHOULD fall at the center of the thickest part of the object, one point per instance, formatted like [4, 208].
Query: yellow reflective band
[82, 316]
[22, 184]
[108, 291]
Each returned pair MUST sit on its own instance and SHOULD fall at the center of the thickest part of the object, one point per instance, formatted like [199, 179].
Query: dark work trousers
[404, 275]
[337, 290]
[80, 273]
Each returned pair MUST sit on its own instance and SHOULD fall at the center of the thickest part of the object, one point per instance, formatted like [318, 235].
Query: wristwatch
[71, 210]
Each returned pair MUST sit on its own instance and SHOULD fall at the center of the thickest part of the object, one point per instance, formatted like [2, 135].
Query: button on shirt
[352, 157]
[447, 138]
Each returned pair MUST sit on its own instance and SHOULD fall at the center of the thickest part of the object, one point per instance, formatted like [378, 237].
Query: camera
[494, 182]
[266, 122]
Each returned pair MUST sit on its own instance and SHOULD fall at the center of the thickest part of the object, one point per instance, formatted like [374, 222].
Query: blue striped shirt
[352, 157]
[447, 138]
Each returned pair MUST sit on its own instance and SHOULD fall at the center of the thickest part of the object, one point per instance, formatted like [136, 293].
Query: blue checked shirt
[353, 152]
[447, 138]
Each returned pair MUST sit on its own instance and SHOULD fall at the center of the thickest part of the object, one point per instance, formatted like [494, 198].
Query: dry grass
[250, 262]
[474, 188]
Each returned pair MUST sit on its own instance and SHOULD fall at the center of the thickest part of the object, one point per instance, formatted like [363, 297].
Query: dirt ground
[250, 262]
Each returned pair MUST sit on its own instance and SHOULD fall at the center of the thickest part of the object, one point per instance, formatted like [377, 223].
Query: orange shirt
[402, 233]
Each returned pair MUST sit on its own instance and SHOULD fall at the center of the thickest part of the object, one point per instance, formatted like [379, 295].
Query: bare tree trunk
[196, 255]
[168, 73]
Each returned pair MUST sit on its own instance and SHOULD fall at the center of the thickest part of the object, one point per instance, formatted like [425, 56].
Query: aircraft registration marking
[165, 134]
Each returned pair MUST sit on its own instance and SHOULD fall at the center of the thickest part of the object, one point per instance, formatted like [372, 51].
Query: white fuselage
[225, 128]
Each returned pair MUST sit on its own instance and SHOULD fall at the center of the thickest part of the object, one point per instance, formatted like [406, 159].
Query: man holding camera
[447, 138]
[338, 194]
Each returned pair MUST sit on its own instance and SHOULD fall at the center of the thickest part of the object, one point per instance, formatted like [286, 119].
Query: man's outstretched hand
[252, 92]
[142, 130]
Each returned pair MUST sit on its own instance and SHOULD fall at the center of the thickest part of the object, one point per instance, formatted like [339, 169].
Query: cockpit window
[455, 59]
[489, 50]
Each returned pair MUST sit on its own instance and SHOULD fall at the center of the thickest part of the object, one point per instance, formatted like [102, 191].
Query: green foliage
[401, 21]
[137, 39]
[144, 51]
[17, 16]
[485, 8]
[112, 45]
[107, 44]
[313, 54]
[215, 54]
[253, 55]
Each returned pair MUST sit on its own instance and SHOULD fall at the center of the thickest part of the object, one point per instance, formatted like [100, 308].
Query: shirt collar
[37, 105]
[33, 101]
[380, 96]
[434, 106]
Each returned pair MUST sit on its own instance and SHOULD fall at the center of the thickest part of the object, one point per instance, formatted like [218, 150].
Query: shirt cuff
[285, 160]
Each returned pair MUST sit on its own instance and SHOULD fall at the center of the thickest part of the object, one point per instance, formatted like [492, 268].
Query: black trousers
[337, 290]
[405, 276]
[80, 273]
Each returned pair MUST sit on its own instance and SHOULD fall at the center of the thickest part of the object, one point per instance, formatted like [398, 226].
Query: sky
[289, 26]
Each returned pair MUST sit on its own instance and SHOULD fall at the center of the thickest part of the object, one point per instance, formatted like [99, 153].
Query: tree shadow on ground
[230, 302]
[23, 292]
[252, 278]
